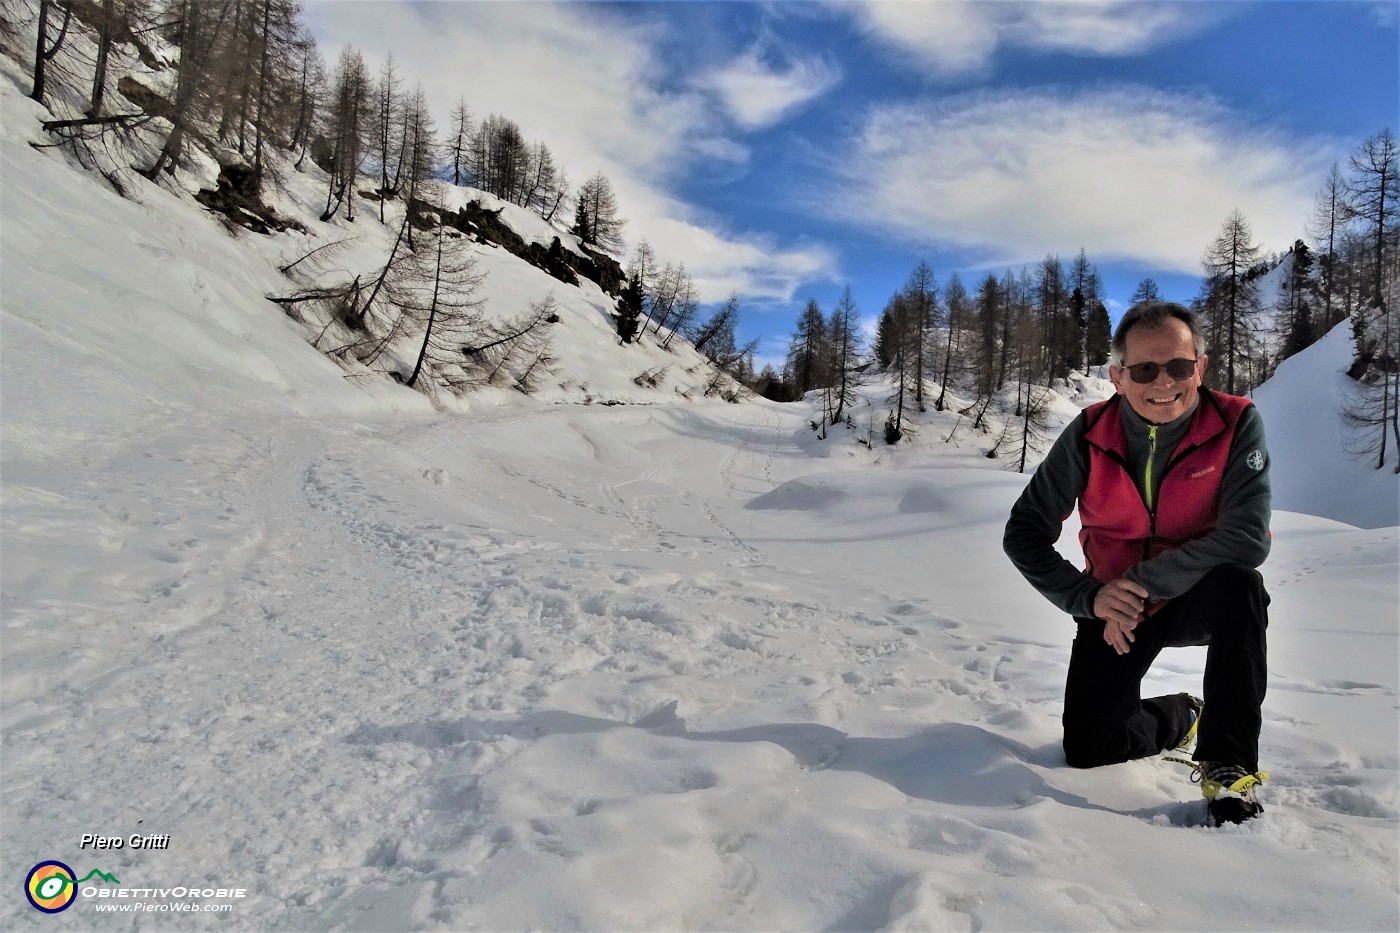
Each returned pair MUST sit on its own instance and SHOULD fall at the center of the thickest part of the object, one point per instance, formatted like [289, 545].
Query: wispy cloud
[722, 262]
[1126, 174]
[758, 94]
[953, 37]
[589, 83]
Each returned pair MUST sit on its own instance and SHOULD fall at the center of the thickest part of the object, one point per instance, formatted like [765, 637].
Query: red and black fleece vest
[1117, 528]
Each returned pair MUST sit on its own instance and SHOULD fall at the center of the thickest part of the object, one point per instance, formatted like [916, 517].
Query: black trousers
[1107, 721]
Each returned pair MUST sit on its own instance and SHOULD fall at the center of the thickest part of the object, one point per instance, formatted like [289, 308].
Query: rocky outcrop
[564, 264]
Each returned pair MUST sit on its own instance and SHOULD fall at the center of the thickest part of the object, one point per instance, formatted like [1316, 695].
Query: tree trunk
[104, 46]
[432, 314]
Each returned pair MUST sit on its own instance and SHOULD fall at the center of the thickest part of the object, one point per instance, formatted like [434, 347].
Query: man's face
[1164, 398]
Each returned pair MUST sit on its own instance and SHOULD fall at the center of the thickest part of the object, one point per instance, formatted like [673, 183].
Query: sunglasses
[1143, 373]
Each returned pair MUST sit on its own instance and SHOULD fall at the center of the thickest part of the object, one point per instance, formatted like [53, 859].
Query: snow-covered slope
[1317, 466]
[570, 666]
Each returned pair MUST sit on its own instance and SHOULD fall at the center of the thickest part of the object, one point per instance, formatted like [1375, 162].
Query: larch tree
[419, 161]
[107, 25]
[959, 317]
[1372, 189]
[311, 89]
[901, 335]
[389, 127]
[1326, 228]
[603, 221]
[1058, 334]
[196, 34]
[1147, 290]
[1371, 192]
[447, 305]
[992, 316]
[44, 52]
[348, 126]
[808, 352]
[683, 312]
[1232, 297]
[921, 303]
[843, 333]
[459, 141]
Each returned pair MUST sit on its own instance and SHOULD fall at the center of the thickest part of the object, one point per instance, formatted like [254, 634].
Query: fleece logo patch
[1255, 460]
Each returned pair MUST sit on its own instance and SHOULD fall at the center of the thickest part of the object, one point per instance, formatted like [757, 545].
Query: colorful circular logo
[50, 887]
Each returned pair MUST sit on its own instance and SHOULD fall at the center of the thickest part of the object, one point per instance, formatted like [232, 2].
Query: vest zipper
[1151, 454]
[1147, 492]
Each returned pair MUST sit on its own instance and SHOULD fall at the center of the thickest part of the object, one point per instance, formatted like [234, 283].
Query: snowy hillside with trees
[388, 659]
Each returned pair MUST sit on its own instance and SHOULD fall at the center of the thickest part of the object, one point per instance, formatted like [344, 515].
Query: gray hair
[1152, 315]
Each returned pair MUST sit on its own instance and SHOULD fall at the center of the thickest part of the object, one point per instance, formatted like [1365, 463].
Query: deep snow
[565, 666]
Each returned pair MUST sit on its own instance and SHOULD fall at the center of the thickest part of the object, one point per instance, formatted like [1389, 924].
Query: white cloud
[587, 82]
[1100, 27]
[754, 266]
[952, 37]
[1127, 174]
[758, 95]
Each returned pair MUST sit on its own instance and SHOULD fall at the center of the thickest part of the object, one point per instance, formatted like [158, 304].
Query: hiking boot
[1229, 792]
[1189, 739]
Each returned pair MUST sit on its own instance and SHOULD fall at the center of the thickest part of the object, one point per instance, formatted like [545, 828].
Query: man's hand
[1120, 603]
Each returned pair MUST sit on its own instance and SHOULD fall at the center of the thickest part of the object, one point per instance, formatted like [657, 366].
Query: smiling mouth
[1168, 400]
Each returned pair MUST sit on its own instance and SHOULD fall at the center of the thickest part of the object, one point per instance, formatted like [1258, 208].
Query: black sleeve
[1038, 517]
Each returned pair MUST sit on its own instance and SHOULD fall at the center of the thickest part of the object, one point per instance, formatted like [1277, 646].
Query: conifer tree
[1099, 340]
[1295, 303]
[629, 309]
[1085, 288]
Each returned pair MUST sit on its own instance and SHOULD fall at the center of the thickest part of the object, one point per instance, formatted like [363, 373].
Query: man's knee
[1077, 756]
[1233, 579]
[1085, 747]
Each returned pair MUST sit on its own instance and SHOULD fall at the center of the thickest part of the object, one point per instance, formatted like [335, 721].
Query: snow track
[571, 668]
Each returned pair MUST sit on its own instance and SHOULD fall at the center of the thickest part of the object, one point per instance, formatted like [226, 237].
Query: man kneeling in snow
[1172, 482]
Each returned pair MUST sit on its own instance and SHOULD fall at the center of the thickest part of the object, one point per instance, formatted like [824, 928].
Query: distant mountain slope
[1313, 471]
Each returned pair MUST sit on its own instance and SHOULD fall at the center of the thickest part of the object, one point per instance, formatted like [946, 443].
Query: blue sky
[786, 150]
